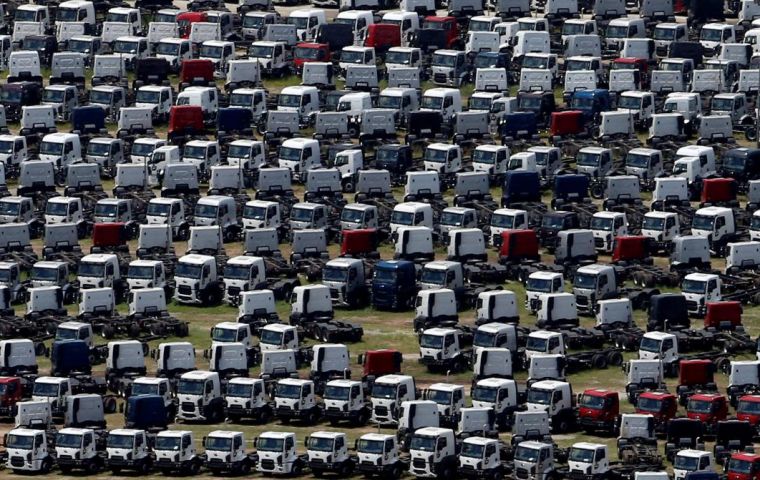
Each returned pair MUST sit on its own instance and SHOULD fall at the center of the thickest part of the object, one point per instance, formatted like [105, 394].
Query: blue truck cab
[570, 188]
[591, 102]
[69, 357]
[518, 125]
[88, 120]
[394, 285]
[520, 186]
[146, 412]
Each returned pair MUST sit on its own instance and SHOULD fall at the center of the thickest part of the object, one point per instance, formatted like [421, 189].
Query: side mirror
[154, 353]
[356, 443]
[203, 442]
[121, 407]
[255, 442]
[360, 359]
[306, 442]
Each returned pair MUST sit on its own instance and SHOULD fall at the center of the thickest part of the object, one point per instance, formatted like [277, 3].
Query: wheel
[297, 469]
[47, 465]
[92, 468]
[108, 332]
[245, 468]
[615, 359]
[317, 473]
[563, 426]
[312, 418]
[144, 468]
[396, 472]
[194, 468]
[65, 469]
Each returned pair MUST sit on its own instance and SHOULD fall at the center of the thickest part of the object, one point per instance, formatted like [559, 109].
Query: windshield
[166, 48]
[592, 401]
[308, 53]
[119, 441]
[380, 390]
[121, 46]
[42, 389]
[239, 390]
[711, 34]
[528, 102]
[260, 51]
[21, 442]
[241, 100]
[440, 60]
[480, 103]
[526, 454]
[194, 151]
[10, 95]
[334, 274]
[105, 210]
[68, 440]
[703, 222]
[388, 101]
[636, 160]
[140, 271]
[333, 392]
[302, 214]
[370, 446]
[205, 211]
[664, 33]
[6, 146]
[431, 341]
[484, 394]
[285, 390]
[144, 389]
[320, 444]
[289, 153]
[98, 148]
[502, 220]
[553, 221]
[650, 345]
[78, 46]
[572, 28]
[224, 334]
[384, 275]
[629, 102]
[724, 104]
[432, 103]
[531, 61]
[352, 215]
[289, 100]
[653, 223]
[89, 269]
[648, 404]
[435, 155]
[472, 450]
[733, 161]
[436, 277]
[439, 396]
[168, 443]
[699, 406]
[351, 57]
[190, 387]
[588, 159]
[541, 397]
[300, 22]
[102, 97]
[66, 333]
[538, 285]
[271, 337]
[24, 15]
[9, 208]
[581, 455]
[254, 212]
[44, 273]
[250, 21]
[158, 209]
[208, 51]
[397, 58]
[187, 270]
[237, 272]
[425, 444]
[617, 31]
[53, 96]
[536, 344]
[66, 14]
[51, 148]
[452, 219]
[582, 102]
[218, 443]
[755, 224]
[147, 96]
[737, 465]
[584, 280]
[680, 167]
[402, 218]
[689, 464]
[601, 223]
[746, 406]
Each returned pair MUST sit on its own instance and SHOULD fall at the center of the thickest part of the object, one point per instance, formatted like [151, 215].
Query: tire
[563, 426]
[144, 468]
[66, 470]
[47, 465]
[92, 468]
[108, 332]
[396, 472]
[297, 469]
[615, 359]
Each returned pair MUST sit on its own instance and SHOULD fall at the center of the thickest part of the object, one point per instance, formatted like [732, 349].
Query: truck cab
[593, 283]
[200, 397]
[299, 155]
[607, 226]
[27, 451]
[447, 101]
[556, 398]
[691, 461]
[541, 283]
[62, 148]
[379, 454]
[272, 446]
[532, 456]
[598, 409]
[128, 449]
[388, 393]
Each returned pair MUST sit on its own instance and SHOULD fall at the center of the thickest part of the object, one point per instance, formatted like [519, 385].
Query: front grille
[216, 460]
[440, 78]
[691, 305]
[188, 407]
[333, 409]
[418, 463]
[267, 464]
[599, 242]
[17, 461]
[581, 300]
[366, 462]
[233, 291]
[184, 290]
[381, 411]
[521, 473]
[334, 293]
[318, 460]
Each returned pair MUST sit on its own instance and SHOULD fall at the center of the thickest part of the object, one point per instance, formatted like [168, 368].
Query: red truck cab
[11, 392]
[725, 315]
[306, 52]
[694, 375]
[447, 24]
[383, 36]
[185, 20]
[663, 406]
[107, 237]
[719, 191]
[630, 248]
[598, 409]
[377, 363]
[743, 466]
[196, 72]
[518, 246]
[569, 122]
[185, 119]
[639, 64]
[709, 408]
[359, 243]
[748, 409]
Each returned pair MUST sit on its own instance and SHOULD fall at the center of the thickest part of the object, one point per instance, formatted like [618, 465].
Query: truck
[599, 409]
[200, 397]
[599, 282]
[443, 461]
[328, 452]
[296, 399]
[78, 448]
[312, 311]
[379, 454]
[225, 452]
[445, 349]
[247, 398]
[28, 451]
[388, 392]
[274, 446]
[128, 449]
[556, 397]
[175, 451]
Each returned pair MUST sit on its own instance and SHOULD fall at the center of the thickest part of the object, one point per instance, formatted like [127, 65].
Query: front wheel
[750, 132]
